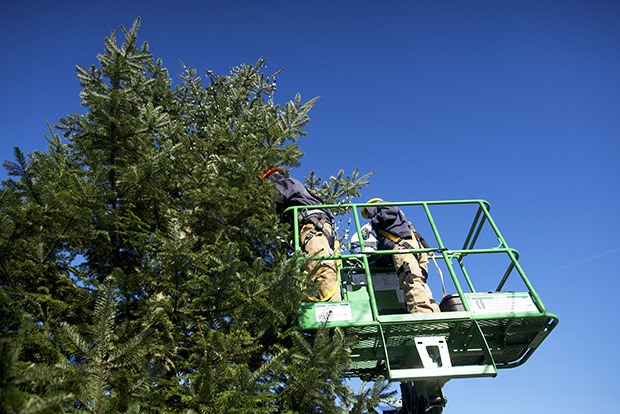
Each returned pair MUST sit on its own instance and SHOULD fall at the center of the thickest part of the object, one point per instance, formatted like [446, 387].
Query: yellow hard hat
[364, 211]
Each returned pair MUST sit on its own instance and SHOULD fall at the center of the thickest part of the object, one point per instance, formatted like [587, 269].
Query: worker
[316, 232]
[394, 232]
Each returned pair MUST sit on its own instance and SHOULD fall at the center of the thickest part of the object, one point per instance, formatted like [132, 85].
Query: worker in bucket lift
[316, 231]
[394, 232]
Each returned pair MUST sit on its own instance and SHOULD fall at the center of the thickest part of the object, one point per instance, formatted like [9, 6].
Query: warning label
[493, 303]
[332, 312]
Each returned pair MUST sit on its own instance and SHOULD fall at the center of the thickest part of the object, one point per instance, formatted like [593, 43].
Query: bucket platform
[491, 318]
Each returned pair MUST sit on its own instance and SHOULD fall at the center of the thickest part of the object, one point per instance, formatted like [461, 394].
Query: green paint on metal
[490, 330]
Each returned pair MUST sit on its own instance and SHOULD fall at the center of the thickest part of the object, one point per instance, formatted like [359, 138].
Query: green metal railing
[479, 340]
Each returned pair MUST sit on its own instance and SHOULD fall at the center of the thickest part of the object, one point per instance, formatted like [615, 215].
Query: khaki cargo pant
[418, 295]
[323, 272]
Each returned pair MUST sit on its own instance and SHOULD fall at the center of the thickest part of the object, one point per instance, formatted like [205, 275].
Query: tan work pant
[322, 272]
[418, 295]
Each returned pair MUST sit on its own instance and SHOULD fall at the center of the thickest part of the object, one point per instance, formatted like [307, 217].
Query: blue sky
[515, 102]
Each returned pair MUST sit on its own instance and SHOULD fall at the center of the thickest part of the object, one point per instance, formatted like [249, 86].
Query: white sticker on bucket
[333, 312]
[500, 303]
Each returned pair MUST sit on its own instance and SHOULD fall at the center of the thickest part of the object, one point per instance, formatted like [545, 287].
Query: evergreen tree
[142, 265]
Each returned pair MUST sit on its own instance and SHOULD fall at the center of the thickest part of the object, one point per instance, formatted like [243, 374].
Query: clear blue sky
[516, 102]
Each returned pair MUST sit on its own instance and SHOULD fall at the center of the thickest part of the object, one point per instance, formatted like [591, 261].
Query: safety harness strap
[403, 242]
[318, 219]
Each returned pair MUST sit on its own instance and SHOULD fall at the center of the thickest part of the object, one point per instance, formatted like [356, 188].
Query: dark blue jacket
[390, 219]
[291, 192]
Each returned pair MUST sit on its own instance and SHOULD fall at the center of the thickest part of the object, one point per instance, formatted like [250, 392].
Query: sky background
[515, 102]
